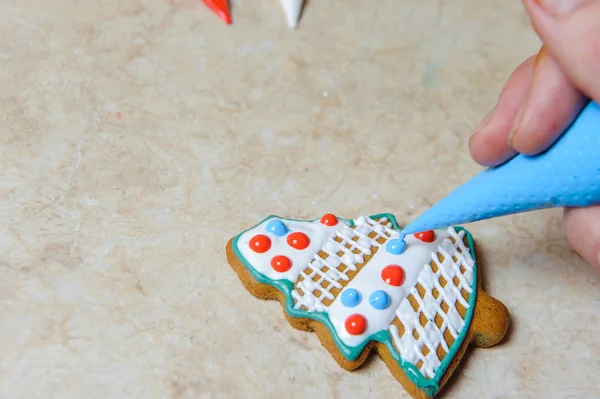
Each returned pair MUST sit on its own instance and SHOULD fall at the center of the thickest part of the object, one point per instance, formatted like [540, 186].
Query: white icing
[369, 279]
[292, 10]
[316, 231]
[431, 336]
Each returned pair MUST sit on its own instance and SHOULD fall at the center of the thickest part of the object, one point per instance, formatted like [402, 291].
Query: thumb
[570, 30]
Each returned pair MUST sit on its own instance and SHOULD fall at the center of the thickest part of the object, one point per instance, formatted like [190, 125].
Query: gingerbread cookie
[354, 284]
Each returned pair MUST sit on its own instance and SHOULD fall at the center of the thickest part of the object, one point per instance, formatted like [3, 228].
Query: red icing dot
[356, 324]
[329, 220]
[393, 275]
[260, 243]
[281, 263]
[298, 240]
[426, 236]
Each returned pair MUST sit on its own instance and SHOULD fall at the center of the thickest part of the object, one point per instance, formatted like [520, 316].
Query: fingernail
[470, 140]
[559, 7]
[484, 122]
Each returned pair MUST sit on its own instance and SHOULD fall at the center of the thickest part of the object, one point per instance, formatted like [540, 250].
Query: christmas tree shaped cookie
[352, 283]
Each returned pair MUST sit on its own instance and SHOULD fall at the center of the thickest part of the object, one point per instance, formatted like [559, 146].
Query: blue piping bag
[565, 175]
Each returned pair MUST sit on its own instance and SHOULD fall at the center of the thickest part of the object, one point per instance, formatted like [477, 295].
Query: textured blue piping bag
[566, 175]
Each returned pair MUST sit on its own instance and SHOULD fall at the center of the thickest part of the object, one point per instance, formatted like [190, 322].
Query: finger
[582, 227]
[551, 106]
[489, 143]
[571, 32]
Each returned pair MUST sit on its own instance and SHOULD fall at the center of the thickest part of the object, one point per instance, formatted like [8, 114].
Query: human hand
[543, 96]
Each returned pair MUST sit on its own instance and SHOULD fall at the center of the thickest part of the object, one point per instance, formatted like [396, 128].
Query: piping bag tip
[565, 175]
[221, 8]
[292, 10]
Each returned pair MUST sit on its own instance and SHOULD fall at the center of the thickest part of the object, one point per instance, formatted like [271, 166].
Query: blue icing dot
[350, 298]
[277, 227]
[379, 299]
[395, 246]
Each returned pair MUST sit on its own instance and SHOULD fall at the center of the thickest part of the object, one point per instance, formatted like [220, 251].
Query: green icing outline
[428, 386]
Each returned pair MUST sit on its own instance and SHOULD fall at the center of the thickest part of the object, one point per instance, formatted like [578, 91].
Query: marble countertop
[138, 136]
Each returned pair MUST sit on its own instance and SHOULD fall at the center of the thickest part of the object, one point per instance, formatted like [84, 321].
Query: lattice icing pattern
[339, 260]
[355, 277]
[431, 318]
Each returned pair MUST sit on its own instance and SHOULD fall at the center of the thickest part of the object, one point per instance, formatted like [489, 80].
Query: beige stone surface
[138, 136]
